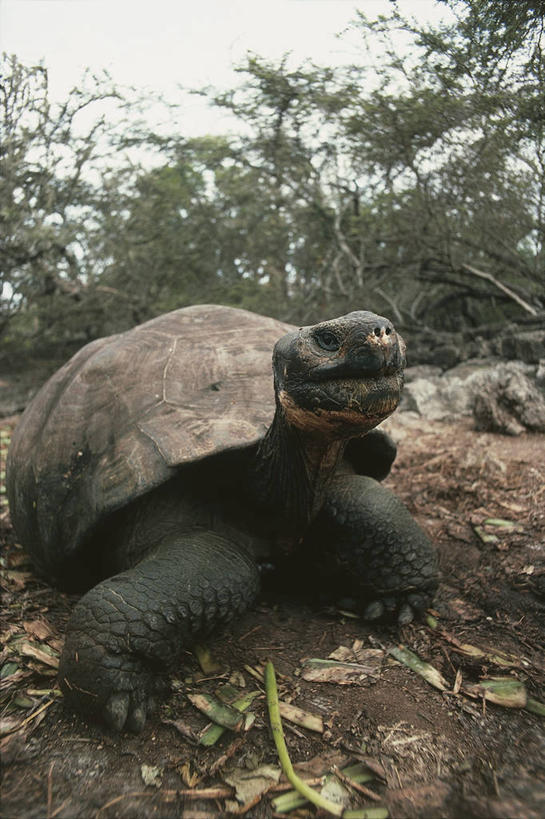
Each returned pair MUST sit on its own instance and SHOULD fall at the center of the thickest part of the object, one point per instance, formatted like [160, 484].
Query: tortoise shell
[121, 415]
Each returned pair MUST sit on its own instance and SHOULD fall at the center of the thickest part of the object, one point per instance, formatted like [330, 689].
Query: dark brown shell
[125, 411]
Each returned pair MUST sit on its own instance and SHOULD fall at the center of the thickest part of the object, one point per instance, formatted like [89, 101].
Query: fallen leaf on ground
[427, 671]
[535, 707]
[190, 778]
[206, 661]
[251, 784]
[491, 655]
[18, 580]
[8, 725]
[342, 673]
[213, 732]
[43, 654]
[151, 775]
[300, 717]
[38, 628]
[357, 774]
[228, 716]
[505, 691]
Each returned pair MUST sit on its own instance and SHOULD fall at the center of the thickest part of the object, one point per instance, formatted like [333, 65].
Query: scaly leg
[128, 630]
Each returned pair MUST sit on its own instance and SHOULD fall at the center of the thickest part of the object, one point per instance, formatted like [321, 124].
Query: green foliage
[413, 185]
[51, 191]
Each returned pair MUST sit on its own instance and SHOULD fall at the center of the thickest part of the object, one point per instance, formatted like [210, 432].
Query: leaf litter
[413, 756]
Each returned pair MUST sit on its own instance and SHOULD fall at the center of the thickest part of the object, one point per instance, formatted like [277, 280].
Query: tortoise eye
[327, 340]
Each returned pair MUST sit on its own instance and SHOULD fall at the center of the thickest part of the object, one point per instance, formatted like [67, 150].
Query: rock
[540, 375]
[509, 403]
[435, 348]
[502, 396]
[444, 396]
[422, 396]
[445, 356]
[422, 371]
[528, 346]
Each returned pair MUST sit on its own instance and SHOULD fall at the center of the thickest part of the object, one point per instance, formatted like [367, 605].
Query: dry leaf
[251, 784]
[457, 683]
[151, 775]
[38, 628]
[341, 673]
[303, 718]
[218, 712]
[190, 778]
[40, 654]
[17, 579]
[505, 691]
[427, 671]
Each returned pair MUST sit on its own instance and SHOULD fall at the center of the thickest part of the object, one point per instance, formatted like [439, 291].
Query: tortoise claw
[116, 711]
[405, 615]
[404, 609]
[122, 712]
[137, 719]
[374, 610]
[419, 601]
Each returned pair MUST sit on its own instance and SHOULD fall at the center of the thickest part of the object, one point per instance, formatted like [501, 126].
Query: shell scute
[126, 411]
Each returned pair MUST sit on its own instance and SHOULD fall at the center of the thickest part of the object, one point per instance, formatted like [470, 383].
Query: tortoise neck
[292, 472]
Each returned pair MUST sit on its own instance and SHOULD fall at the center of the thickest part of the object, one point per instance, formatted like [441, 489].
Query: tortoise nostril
[382, 329]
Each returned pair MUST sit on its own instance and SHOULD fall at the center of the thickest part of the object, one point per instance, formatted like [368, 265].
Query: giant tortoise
[159, 470]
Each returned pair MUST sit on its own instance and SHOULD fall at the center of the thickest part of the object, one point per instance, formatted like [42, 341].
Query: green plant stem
[283, 755]
[285, 761]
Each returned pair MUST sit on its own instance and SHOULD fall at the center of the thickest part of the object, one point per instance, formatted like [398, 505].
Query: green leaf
[427, 671]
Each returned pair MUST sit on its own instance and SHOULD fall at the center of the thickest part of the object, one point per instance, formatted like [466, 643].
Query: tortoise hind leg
[128, 630]
[367, 547]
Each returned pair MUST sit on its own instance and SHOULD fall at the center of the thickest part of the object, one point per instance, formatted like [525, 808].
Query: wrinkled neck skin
[292, 471]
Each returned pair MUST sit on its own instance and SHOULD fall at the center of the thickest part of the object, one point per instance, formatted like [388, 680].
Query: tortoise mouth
[343, 407]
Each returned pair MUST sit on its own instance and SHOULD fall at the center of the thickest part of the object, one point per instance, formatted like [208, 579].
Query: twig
[120, 799]
[252, 630]
[186, 793]
[58, 810]
[221, 760]
[355, 785]
[31, 717]
[50, 789]
[200, 793]
[508, 292]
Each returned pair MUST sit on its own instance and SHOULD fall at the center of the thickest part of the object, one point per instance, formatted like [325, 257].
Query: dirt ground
[424, 752]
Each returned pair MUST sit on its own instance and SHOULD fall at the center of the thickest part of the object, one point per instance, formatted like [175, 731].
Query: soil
[430, 753]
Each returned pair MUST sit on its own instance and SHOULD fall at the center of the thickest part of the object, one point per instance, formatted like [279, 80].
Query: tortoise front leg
[366, 546]
[127, 631]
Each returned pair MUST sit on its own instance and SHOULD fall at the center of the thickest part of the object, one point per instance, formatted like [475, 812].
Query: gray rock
[421, 371]
[501, 396]
[509, 403]
[540, 375]
[528, 346]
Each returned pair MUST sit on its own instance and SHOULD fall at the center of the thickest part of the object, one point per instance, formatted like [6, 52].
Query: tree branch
[508, 292]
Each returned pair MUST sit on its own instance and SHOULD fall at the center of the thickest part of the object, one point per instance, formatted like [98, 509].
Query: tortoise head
[340, 378]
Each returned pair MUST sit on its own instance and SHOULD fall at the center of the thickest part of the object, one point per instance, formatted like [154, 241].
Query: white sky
[156, 45]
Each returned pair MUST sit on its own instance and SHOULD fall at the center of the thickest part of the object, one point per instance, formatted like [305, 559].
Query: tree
[452, 135]
[212, 224]
[55, 174]
[413, 186]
